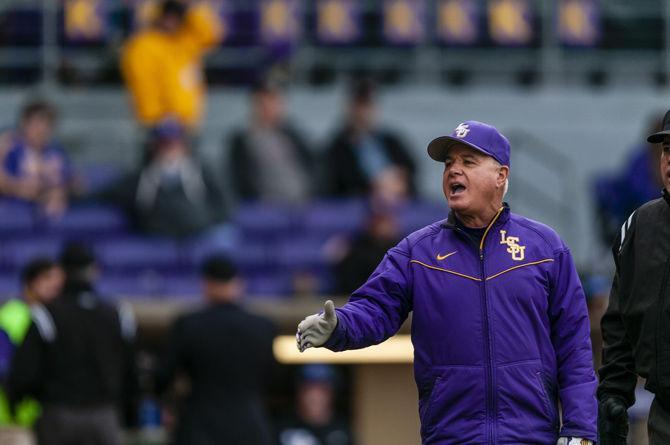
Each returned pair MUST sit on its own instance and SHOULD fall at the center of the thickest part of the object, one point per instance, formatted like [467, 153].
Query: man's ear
[503, 174]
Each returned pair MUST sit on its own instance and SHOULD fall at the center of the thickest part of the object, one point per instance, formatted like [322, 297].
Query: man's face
[37, 130]
[269, 108]
[665, 163]
[471, 180]
[47, 286]
[363, 114]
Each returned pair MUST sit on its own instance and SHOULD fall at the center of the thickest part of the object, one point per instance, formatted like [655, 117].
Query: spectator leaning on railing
[162, 65]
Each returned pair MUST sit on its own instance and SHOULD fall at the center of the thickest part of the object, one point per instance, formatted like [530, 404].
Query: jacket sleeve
[377, 309]
[570, 335]
[145, 85]
[173, 357]
[26, 370]
[617, 375]
[202, 28]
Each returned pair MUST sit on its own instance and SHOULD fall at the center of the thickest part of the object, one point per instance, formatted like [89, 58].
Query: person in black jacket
[226, 354]
[77, 360]
[636, 327]
[360, 152]
[174, 194]
[269, 160]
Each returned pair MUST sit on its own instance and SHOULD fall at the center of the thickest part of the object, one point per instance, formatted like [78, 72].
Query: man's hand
[612, 422]
[316, 329]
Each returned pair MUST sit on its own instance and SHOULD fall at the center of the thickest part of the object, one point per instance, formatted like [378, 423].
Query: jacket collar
[450, 222]
[666, 196]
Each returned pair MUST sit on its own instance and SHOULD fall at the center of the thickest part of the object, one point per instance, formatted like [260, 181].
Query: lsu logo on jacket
[518, 251]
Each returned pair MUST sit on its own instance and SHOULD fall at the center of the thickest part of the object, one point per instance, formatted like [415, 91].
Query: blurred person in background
[269, 160]
[34, 167]
[635, 327]
[226, 355]
[361, 151]
[502, 352]
[162, 65]
[41, 282]
[174, 194]
[618, 195]
[77, 360]
[316, 421]
[362, 256]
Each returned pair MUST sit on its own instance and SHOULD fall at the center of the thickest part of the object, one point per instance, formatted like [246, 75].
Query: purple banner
[458, 22]
[338, 21]
[510, 22]
[578, 22]
[280, 22]
[86, 20]
[404, 21]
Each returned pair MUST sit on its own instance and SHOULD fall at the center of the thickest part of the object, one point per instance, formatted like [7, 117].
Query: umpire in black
[77, 360]
[226, 354]
[636, 326]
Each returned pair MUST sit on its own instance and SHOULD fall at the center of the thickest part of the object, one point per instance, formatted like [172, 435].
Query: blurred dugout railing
[611, 39]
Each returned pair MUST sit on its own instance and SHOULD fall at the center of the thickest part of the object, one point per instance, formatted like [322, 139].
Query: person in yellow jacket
[42, 281]
[162, 64]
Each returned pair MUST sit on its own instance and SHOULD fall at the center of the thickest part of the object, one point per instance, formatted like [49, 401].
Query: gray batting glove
[315, 330]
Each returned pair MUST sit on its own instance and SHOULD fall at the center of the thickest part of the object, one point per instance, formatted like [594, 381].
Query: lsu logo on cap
[462, 130]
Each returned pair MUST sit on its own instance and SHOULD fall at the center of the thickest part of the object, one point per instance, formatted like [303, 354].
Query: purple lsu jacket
[500, 332]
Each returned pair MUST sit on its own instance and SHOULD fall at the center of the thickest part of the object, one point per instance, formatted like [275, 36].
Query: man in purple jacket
[500, 327]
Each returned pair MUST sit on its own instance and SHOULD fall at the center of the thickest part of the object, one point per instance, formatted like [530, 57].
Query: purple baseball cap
[478, 135]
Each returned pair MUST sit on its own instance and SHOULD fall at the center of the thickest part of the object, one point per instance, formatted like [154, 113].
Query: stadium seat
[419, 214]
[16, 253]
[138, 253]
[263, 220]
[16, 218]
[331, 217]
[87, 221]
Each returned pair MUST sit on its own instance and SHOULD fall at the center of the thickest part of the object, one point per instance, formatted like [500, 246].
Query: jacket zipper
[661, 303]
[490, 396]
[488, 342]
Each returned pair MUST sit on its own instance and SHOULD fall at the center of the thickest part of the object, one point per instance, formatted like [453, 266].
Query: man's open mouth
[456, 188]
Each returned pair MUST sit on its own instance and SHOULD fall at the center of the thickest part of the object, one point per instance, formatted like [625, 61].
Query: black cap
[76, 256]
[35, 269]
[173, 7]
[218, 268]
[658, 137]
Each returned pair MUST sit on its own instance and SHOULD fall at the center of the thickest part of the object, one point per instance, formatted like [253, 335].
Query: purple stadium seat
[17, 253]
[95, 220]
[98, 176]
[16, 218]
[278, 284]
[138, 253]
[9, 286]
[300, 252]
[419, 214]
[331, 217]
[263, 220]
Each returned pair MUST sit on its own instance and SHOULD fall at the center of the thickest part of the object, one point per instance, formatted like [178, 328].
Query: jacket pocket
[548, 397]
[427, 409]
